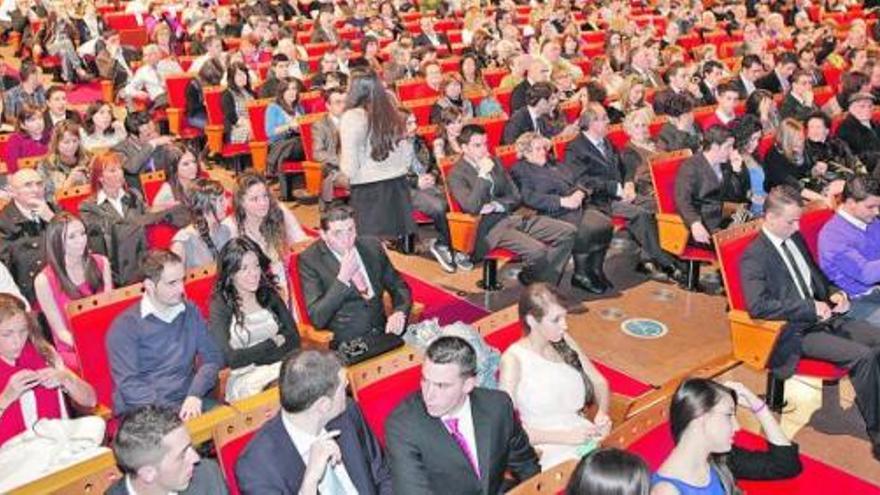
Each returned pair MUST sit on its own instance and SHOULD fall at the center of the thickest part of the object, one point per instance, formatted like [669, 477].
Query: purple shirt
[850, 256]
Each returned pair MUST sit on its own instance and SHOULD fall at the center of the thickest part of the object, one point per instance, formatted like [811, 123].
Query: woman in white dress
[551, 381]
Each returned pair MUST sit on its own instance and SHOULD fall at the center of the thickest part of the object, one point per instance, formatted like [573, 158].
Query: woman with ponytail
[705, 461]
[200, 242]
[551, 381]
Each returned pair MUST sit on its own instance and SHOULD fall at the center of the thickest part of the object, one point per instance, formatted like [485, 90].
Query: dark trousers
[643, 227]
[855, 345]
[544, 243]
[594, 231]
[432, 203]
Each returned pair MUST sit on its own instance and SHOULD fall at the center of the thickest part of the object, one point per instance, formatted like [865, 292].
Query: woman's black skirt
[383, 209]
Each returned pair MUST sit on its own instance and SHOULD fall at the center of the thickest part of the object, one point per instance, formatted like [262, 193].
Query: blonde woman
[786, 163]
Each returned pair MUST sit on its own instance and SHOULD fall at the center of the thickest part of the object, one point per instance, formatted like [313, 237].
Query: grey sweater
[355, 161]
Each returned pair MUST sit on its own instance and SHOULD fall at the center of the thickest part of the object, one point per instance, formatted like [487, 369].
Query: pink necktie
[360, 283]
[452, 426]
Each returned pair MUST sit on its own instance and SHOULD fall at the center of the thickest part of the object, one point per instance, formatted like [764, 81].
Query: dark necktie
[798, 277]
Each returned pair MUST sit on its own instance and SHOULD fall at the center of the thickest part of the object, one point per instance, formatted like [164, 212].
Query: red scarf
[48, 399]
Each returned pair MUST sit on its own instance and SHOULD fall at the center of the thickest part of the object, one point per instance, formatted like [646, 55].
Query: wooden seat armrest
[214, 134]
[673, 232]
[93, 475]
[463, 230]
[317, 336]
[174, 119]
[313, 176]
[752, 339]
[259, 155]
[202, 427]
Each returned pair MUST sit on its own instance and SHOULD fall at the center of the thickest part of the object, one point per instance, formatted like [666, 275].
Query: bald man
[539, 71]
[23, 225]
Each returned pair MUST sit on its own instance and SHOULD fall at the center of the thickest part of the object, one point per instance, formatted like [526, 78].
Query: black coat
[864, 142]
[699, 195]
[672, 138]
[521, 122]
[423, 40]
[339, 307]
[770, 82]
[22, 247]
[542, 188]
[518, 95]
[195, 100]
[791, 107]
[601, 175]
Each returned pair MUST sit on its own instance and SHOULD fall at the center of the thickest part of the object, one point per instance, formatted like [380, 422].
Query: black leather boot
[584, 277]
[597, 262]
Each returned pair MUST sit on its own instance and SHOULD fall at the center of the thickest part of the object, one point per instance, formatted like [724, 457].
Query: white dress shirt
[363, 270]
[303, 442]
[166, 315]
[802, 266]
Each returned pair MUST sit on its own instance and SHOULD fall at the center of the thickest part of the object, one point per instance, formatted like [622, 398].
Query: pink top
[48, 400]
[21, 145]
[67, 352]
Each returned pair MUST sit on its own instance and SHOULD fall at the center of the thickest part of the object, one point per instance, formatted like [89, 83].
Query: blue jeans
[866, 308]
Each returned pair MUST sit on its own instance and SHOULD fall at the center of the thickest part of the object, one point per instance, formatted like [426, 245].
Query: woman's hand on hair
[603, 423]
[745, 397]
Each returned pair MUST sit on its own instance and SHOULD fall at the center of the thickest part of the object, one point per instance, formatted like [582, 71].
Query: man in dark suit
[57, 110]
[144, 150]
[23, 223]
[860, 132]
[533, 116]
[642, 65]
[453, 437]
[430, 37]
[318, 442]
[538, 71]
[807, 62]
[779, 79]
[798, 103]
[481, 187]
[678, 84]
[713, 73]
[344, 278]
[781, 281]
[154, 451]
[705, 181]
[750, 71]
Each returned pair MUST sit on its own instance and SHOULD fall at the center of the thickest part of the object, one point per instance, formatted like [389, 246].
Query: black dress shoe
[652, 271]
[587, 283]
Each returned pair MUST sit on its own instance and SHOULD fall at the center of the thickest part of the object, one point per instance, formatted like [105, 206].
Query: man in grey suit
[154, 451]
[482, 187]
[325, 143]
[453, 437]
[144, 150]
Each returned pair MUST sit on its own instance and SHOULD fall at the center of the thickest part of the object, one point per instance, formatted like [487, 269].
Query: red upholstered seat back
[313, 102]
[228, 454]
[503, 98]
[811, 223]
[730, 252]
[299, 299]
[257, 114]
[502, 338]
[89, 328]
[159, 235]
[151, 186]
[617, 136]
[379, 399]
[305, 129]
[69, 200]
[494, 127]
[199, 291]
[507, 155]
[664, 170]
[421, 109]
[213, 106]
[176, 85]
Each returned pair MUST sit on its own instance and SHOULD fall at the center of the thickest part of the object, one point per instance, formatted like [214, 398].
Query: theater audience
[325, 144]
[100, 129]
[208, 74]
[551, 381]
[259, 216]
[451, 95]
[798, 103]
[282, 126]
[431, 436]
[33, 378]
[860, 132]
[679, 131]
[28, 140]
[199, 243]
[29, 92]
[152, 346]
[761, 104]
[72, 272]
[725, 111]
[67, 163]
[849, 248]
[249, 321]
[781, 282]
[344, 277]
[144, 150]
[23, 223]
[116, 218]
[746, 137]
[375, 156]
[56, 110]
[786, 163]
[238, 92]
[449, 127]
[318, 442]
[821, 146]
[482, 187]
[702, 417]
[534, 116]
[609, 470]
[154, 451]
[705, 182]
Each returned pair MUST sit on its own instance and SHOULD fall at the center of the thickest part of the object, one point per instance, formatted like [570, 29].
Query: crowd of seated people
[778, 113]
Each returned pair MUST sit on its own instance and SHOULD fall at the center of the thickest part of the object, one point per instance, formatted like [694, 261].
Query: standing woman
[249, 319]
[282, 126]
[704, 460]
[376, 155]
[258, 216]
[200, 242]
[72, 272]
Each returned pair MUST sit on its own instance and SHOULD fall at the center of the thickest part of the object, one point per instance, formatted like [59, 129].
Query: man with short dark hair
[144, 150]
[344, 278]
[705, 182]
[538, 71]
[713, 73]
[57, 110]
[750, 71]
[318, 442]
[779, 79]
[325, 144]
[160, 350]
[453, 437]
[154, 451]
[678, 84]
[430, 37]
[533, 116]
[30, 91]
[725, 112]
[798, 102]
[781, 282]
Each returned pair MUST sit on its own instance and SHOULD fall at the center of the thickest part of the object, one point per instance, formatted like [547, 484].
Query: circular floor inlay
[644, 328]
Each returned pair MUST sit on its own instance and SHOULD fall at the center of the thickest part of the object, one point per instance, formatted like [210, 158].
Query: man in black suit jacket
[750, 71]
[539, 71]
[713, 73]
[430, 37]
[781, 281]
[344, 277]
[778, 80]
[798, 103]
[318, 442]
[706, 181]
[57, 110]
[453, 437]
[144, 150]
[533, 116]
[678, 85]
[860, 132]
[481, 187]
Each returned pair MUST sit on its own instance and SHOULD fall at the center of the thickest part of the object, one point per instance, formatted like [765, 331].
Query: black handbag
[360, 349]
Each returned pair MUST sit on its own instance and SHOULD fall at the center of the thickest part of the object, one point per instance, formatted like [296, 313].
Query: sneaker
[443, 256]
[463, 261]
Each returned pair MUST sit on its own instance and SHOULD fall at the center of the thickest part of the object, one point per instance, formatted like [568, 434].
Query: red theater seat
[69, 199]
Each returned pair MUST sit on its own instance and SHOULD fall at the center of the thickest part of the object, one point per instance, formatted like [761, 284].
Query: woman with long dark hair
[72, 272]
[258, 216]
[551, 380]
[376, 155]
[180, 177]
[282, 126]
[704, 461]
[609, 471]
[236, 122]
[200, 242]
[100, 129]
[249, 319]
[446, 145]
